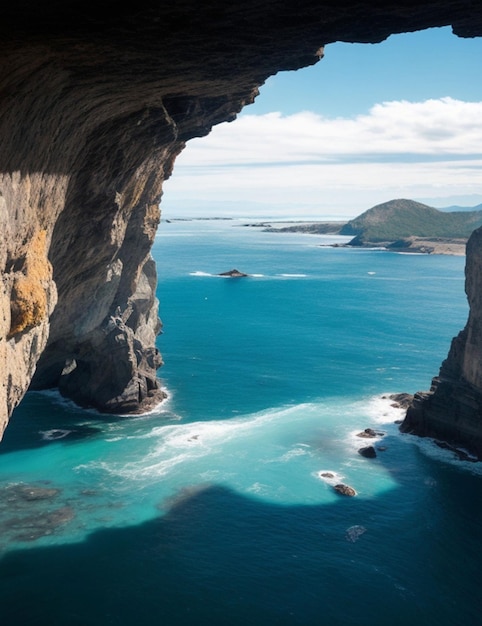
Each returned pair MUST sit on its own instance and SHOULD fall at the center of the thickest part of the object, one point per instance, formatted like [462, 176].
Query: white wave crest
[55, 433]
[293, 275]
[203, 444]
[383, 410]
[330, 477]
[294, 452]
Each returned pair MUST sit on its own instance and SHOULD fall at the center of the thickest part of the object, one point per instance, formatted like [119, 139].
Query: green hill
[400, 219]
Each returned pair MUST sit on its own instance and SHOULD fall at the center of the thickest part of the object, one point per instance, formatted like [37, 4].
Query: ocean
[219, 507]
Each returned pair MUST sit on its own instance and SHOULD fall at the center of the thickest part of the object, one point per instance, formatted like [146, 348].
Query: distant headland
[398, 225]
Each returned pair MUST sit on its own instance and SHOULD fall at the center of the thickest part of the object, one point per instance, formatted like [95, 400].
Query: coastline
[418, 245]
[452, 246]
[414, 245]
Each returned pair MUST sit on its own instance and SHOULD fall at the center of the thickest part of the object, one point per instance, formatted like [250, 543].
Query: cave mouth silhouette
[208, 559]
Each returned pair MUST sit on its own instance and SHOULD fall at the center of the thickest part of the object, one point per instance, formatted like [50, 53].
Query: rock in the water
[355, 532]
[401, 400]
[369, 433]
[344, 490]
[368, 452]
[234, 273]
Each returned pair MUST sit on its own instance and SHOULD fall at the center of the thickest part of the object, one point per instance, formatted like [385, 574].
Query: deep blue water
[212, 510]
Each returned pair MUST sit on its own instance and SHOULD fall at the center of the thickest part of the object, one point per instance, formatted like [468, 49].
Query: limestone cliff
[96, 101]
[452, 409]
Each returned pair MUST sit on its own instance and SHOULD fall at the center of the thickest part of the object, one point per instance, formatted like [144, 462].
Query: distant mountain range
[402, 219]
[456, 207]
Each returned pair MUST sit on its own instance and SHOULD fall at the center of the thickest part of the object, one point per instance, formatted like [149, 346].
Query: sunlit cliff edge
[96, 102]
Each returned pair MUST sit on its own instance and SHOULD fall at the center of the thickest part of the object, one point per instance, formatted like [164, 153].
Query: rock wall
[96, 101]
[452, 409]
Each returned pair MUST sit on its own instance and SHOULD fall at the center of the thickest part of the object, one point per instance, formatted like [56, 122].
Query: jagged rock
[344, 490]
[368, 452]
[451, 410]
[369, 433]
[233, 274]
[96, 104]
[401, 400]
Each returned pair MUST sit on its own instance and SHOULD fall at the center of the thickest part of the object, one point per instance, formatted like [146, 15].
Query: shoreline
[416, 245]
[420, 245]
[452, 246]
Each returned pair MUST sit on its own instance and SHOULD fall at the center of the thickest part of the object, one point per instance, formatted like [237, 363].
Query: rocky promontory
[97, 100]
[451, 409]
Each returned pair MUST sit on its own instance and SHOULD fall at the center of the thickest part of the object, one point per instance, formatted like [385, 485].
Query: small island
[234, 273]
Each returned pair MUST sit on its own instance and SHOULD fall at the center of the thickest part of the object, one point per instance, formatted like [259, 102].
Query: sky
[367, 124]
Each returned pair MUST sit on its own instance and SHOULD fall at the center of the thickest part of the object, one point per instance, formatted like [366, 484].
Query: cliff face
[452, 409]
[96, 101]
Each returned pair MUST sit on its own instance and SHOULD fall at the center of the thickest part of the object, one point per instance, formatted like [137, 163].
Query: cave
[97, 102]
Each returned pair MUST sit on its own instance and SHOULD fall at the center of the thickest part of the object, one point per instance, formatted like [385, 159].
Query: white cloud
[398, 149]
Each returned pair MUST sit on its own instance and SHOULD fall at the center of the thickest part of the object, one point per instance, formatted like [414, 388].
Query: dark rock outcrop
[233, 274]
[369, 433]
[452, 409]
[368, 452]
[327, 475]
[344, 490]
[401, 400]
[97, 100]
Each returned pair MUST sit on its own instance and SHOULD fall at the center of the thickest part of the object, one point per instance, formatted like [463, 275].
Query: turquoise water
[212, 509]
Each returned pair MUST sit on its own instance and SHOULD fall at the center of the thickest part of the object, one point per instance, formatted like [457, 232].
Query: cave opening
[222, 506]
[367, 124]
[303, 154]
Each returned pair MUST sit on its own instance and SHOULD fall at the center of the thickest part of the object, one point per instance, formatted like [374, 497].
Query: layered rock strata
[96, 101]
[452, 409]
